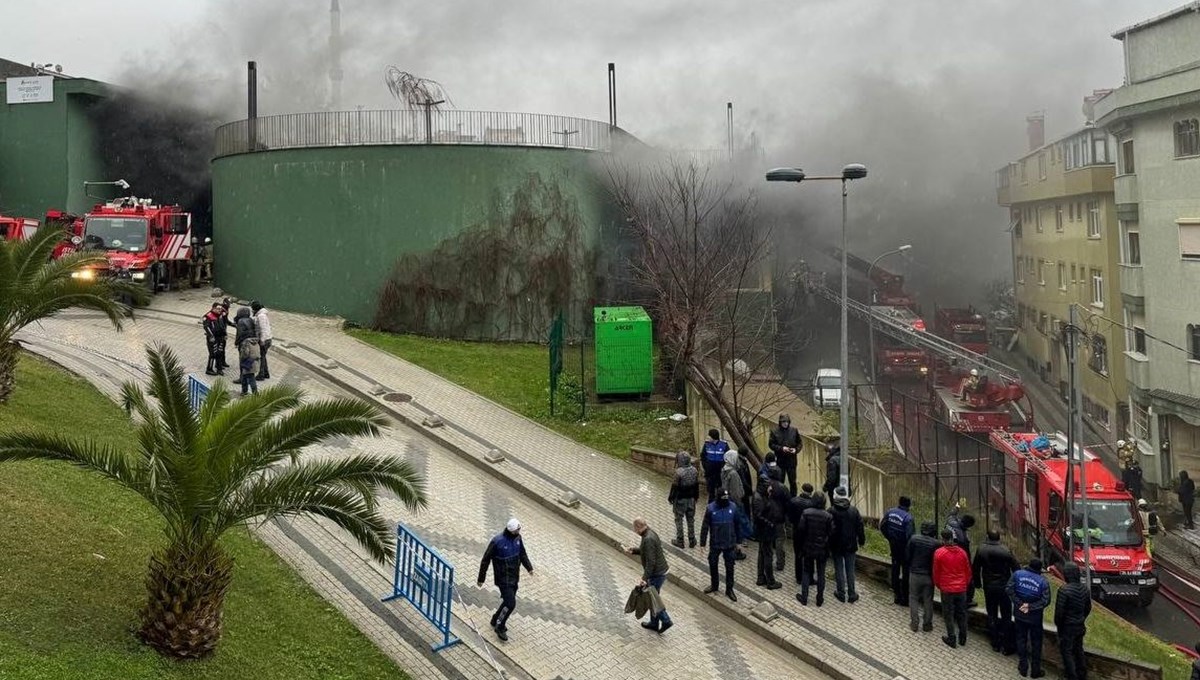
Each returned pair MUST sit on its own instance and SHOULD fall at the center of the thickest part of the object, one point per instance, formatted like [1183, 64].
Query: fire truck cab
[1028, 490]
[17, 228]
[894, 359]
[146, 243]
[963, 326]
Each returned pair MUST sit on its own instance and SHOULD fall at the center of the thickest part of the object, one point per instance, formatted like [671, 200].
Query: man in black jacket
[849, 534]
[685, 491]
[1071, 609]
[919, 556]
[767, 520]
[784, 442]
[796, 507]
[994, 564]
[506, 555]
[816, 525]
[833, 469]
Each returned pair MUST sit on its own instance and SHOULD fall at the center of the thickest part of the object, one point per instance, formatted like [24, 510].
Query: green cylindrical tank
[624, 350]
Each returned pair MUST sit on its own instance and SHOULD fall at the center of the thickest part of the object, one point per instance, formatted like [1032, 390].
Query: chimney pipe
[1035, 127]
[252, 105]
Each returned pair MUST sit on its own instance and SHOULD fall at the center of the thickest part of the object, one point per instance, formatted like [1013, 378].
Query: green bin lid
[619, 314]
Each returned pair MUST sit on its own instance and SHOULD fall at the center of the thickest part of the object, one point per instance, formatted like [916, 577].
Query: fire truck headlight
[924, 370]
[84, 274]
[1147, 581]
[138, 276]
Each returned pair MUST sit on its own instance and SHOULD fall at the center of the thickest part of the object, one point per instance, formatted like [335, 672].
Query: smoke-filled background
[931, 95]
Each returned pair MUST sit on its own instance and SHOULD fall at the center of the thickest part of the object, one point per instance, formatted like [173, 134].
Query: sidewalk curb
[718, 603]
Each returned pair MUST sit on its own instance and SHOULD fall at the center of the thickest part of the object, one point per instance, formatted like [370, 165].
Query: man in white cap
[506, 554]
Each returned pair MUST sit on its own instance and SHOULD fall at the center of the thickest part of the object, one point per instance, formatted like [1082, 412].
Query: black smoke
[162, 148]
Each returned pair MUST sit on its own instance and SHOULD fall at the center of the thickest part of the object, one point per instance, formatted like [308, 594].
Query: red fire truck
[964, 327]
[977, 401]
[142, 241]
[1028, 491]
[895, 359]
[17, 228]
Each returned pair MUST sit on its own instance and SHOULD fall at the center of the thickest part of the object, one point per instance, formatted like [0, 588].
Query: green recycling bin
[624, 350]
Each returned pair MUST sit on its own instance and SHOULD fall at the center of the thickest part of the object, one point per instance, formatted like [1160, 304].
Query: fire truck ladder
[905, 333]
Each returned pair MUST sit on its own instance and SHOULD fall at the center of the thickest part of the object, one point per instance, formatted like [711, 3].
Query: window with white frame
[1139, 340]
[1193, 331]
[1187, 138]
[1019, 268]
[1097, 412]
[1062, 275]
[1058, 217]
[1093, 219]
[1098, 362]
[1132, 243]
[1041, 166]
[1140, 421]
[1097, 288]
[1037, 219]
[1127, 157]
[1041, 272]
[1189, 239]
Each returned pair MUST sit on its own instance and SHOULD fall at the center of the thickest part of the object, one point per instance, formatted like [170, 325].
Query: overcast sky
[931, 94]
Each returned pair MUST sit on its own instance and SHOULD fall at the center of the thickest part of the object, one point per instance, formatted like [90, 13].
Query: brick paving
[568, 622]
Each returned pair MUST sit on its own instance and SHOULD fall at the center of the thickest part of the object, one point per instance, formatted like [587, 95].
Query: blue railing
[426, 579]
[197, 393]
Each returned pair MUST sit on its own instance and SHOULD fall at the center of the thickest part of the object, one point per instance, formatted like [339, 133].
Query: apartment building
[1155, 119]
[1065, 250]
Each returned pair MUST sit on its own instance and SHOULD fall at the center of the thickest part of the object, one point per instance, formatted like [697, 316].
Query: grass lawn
[516, 376]
[73, 556]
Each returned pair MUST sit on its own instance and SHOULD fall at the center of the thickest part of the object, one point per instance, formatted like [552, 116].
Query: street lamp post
[850, 172]
[871, 307]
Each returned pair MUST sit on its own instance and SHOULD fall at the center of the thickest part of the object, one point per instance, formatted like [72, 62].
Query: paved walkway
[568, 622]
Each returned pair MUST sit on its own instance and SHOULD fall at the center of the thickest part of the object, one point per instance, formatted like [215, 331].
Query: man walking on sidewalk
[654, 570]
[896, 525]
[506, 555]
[784, 442]
[952, 575]
[685, 490]
[994, 565]
[1030, 593]
[720, 518]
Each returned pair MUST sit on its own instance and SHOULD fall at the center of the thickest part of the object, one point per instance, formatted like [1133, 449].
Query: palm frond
[102, 460]
[168, 386]
[342, 506]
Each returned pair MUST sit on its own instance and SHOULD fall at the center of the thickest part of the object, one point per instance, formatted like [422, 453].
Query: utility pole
[1077, 428]
[1069, 341]
[729, 128]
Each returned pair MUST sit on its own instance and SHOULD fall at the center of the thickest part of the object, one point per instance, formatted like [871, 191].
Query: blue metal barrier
[197, 392]
[426, 579]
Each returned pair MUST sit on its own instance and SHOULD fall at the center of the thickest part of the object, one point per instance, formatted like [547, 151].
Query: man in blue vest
[712, 457]
[896, 525]
[720, 519]
[1030, 594]
[506, 555]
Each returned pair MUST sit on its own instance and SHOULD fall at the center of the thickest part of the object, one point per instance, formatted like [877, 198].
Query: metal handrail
[388, 127]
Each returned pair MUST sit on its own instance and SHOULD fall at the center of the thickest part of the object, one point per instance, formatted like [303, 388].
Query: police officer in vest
[721, 520]
[896, 525]
[1030, 594]
[712, 457]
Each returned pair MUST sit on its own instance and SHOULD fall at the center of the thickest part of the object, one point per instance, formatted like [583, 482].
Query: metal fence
[362, 128]
[197, 393]
[426, 579]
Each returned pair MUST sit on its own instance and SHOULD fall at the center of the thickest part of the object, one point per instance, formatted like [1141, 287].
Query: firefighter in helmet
[970, 384]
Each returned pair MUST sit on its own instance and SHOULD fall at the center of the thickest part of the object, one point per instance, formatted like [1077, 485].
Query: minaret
[335, 55]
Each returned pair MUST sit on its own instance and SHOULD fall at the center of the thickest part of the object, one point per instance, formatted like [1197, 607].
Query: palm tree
[229, 464]
[33, 287]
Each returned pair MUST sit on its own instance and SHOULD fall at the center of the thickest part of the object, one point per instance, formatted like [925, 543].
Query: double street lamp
[871, 319]
[850, 172]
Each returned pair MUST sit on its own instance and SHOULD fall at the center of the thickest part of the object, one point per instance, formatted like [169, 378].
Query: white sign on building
[30, 89]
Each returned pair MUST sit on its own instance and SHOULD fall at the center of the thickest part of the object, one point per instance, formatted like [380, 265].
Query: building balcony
[1125, 189]
[1003, 196]
[1132, 282]
[1091, 179]
[1137, 370]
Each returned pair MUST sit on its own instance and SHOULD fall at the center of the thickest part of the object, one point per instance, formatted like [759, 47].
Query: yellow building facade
[1066, 249]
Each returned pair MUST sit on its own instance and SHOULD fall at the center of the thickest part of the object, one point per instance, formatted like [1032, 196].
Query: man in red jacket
[952, 576]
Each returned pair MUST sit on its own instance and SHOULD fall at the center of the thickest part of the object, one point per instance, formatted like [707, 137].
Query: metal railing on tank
[387, 127]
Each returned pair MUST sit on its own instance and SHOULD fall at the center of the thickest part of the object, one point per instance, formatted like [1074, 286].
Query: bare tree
[415, 91]
[702, 262]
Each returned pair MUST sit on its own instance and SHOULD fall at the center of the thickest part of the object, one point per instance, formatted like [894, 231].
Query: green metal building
[466, 224]
[47, 148]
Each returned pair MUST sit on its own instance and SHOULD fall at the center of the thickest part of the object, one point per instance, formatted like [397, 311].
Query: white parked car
[827, 388]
